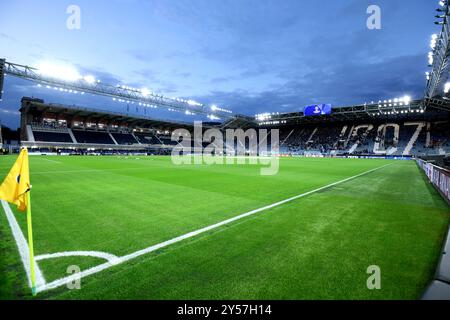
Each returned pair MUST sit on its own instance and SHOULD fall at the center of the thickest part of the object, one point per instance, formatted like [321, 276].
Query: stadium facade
[412, 128]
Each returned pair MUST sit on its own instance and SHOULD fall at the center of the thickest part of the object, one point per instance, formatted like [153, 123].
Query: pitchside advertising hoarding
[317, 110]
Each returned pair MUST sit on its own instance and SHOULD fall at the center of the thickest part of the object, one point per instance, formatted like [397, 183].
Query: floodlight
[447, 87]
[89, 79]
[407, 99]
[59, 71]
[193, 103]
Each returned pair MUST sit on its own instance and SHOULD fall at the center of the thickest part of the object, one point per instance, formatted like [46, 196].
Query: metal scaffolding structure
[117, 92]
[2, 75]
[439, 55]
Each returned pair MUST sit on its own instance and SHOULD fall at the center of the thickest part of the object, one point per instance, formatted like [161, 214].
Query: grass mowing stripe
[52, 161]
[63, 281]
[316, 248]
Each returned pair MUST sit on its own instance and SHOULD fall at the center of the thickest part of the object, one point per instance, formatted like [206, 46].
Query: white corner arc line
[22, 245]
[97, 254]
[61, 282]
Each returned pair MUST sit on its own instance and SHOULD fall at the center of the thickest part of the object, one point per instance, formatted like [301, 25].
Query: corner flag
[17, 183]
[16, 190]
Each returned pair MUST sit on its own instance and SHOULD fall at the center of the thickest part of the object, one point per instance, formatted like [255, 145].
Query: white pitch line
[22, 245]
[119, 260]
[96, 254]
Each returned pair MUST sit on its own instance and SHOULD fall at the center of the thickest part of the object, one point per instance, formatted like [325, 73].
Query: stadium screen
[317, 110]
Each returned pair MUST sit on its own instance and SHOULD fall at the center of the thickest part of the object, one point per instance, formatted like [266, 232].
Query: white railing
[439, 177]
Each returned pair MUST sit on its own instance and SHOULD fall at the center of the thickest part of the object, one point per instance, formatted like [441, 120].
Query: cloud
[339, 85]
[144, 55]
[250, 56]
[7, 37]
[103, 76]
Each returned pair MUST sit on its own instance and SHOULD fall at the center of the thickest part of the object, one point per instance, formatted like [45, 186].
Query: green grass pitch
[315, 247]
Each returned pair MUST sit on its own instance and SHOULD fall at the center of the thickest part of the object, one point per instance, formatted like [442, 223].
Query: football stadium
[114, 191]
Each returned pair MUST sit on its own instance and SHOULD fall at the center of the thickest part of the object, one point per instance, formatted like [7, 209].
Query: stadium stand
[74, 130]
[146, 138]
[124, 138]
[92, 137]
[407, 138]
[45, 126]
[52, 136]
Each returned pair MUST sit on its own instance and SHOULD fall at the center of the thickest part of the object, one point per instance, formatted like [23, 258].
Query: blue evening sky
[249, 56]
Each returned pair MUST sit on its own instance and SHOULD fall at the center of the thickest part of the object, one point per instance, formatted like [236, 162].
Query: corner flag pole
[16, 189]
[30, 244]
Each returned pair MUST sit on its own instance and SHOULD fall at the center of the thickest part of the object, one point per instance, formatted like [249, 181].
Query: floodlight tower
[438, 57]
[2, 76]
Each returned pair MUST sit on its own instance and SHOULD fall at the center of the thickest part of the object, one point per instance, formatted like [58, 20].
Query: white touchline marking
[97, 254]
[22, 245]
[119, 260]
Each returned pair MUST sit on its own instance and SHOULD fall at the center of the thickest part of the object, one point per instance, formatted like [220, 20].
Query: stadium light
[407, 100]
[216, 108]
[447, 87]
[213, 117]
[89, 79]
[194, 103]
[59, 71]
[145, 92]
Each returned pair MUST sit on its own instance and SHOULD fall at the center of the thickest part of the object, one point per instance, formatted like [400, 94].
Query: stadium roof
[424, 108]
[416, 109]
[100, 115]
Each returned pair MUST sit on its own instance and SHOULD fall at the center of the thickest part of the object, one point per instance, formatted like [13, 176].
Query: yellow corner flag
[16, 185]
[16, 190]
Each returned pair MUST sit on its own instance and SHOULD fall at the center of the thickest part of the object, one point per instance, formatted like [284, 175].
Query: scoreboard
[317, 110]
